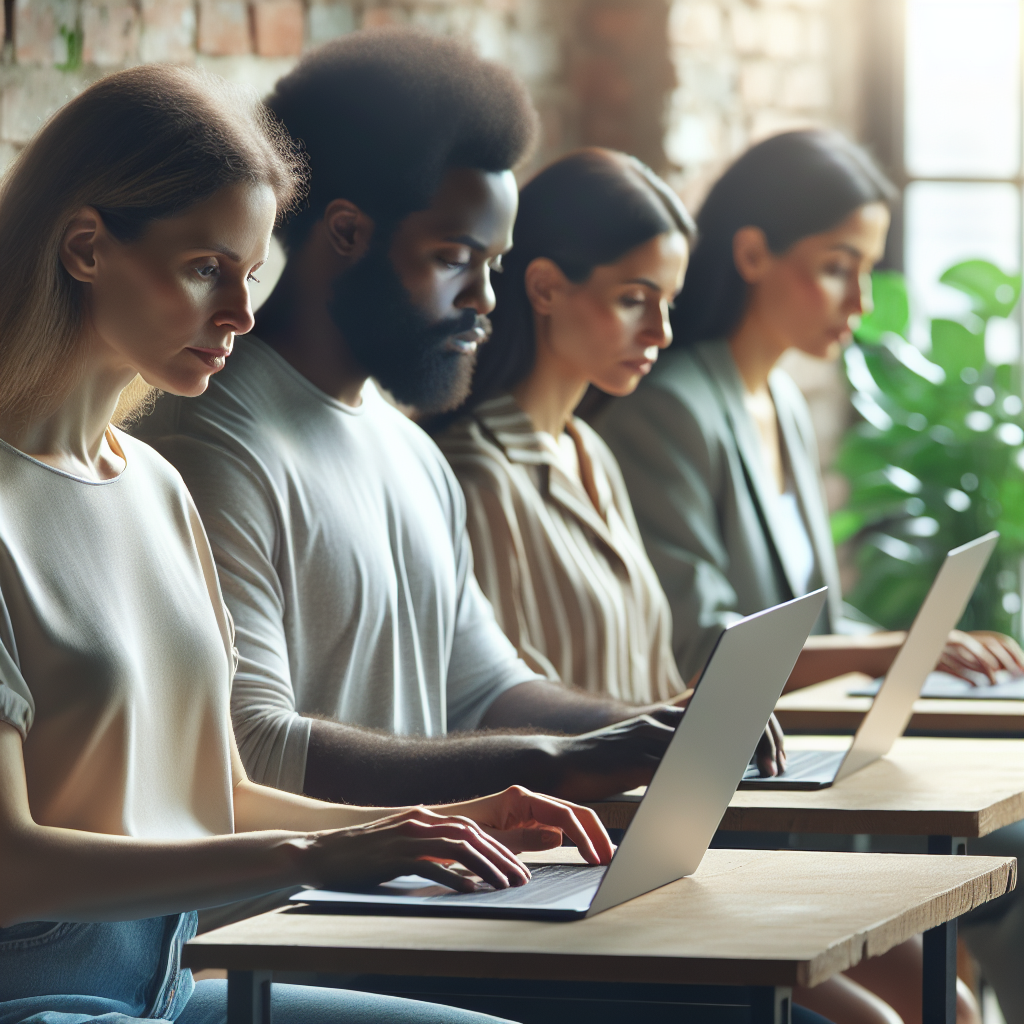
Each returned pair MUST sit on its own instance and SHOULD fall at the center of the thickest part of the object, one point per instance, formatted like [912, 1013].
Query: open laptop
[893, 706]
[943, 686]
[685, 800]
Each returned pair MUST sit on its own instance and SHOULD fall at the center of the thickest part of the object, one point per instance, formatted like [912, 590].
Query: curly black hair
[382, 114]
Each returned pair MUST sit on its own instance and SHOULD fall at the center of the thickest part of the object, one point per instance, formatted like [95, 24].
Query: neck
[70, 437]
[755, 348]
[296, 322]
[551, 392]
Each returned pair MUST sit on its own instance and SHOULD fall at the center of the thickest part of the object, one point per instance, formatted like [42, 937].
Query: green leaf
[891, 310]
[992, 292]
[845, 524]
[954, 347]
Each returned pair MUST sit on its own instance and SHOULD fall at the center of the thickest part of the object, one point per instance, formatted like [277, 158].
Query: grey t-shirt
[339, 535]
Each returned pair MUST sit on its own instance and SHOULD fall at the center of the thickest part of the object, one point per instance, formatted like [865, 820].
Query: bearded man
[371, 667]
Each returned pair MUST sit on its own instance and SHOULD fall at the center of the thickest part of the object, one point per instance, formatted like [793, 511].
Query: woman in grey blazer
[719, 457]
[717, 446]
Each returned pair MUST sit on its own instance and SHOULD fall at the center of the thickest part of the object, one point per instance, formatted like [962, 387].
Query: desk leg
[938, 1004]
[249, 997]
[771, 1005]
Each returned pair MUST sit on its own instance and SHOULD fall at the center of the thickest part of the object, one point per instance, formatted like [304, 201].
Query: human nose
[860, 301]
[660, 329]
[480, 294]
[236, 312]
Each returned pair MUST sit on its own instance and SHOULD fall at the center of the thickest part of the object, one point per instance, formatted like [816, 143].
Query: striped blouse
[559, 555]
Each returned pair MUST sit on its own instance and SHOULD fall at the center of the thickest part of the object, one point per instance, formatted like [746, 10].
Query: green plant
[74, 39]
[938, 457]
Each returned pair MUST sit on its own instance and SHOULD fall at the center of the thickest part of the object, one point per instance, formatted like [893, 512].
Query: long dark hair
[586, 210]
[790, 186]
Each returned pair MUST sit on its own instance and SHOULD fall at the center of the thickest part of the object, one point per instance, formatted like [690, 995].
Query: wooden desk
[827, 707]
[924, 786]
[748, 921]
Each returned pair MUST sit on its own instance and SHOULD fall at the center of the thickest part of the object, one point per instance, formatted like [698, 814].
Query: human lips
[215, 358]
[466, 343]
[642, 365]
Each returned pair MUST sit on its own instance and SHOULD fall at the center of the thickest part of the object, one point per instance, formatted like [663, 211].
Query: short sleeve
[17, 707]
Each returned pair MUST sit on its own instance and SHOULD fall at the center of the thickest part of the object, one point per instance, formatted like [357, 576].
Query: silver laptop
[685, 800]
[892, 708]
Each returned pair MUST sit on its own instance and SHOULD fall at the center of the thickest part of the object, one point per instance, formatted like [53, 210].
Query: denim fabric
[110, 971]
[301, 1004]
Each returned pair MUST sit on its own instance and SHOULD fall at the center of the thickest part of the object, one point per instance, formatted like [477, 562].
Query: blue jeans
[128, 971]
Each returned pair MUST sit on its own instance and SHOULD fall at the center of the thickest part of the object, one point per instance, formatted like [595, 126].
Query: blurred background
[922, 448]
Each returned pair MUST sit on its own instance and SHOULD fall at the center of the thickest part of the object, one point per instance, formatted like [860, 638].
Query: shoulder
[473, 452]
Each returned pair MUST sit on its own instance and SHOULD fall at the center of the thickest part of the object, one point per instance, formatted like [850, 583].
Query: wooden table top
[827, 707]
[746, 917]
[924, 786]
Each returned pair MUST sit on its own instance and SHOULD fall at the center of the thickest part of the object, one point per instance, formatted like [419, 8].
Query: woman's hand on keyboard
[523, 820]
[415, 841]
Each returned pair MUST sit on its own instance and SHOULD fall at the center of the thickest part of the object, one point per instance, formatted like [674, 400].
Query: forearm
[549, 707]
[357, 766]
[56, 874]
[824, 657]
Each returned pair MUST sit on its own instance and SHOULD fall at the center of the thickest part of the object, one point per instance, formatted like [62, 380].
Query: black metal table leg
[938, 1005]
[249, 997]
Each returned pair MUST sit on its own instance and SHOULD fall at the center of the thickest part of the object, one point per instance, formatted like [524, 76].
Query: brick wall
[684, 84]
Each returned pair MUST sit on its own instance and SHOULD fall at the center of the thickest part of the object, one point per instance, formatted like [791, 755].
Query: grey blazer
[703, 498]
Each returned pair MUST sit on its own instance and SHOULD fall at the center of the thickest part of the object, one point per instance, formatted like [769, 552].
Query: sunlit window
[962, 148]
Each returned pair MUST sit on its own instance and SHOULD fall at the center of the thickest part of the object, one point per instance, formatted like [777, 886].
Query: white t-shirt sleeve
[17, 707]
[484, 663]
[241, 520]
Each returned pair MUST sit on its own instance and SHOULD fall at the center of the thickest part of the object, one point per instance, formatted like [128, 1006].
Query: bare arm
[825, 657]
[619, 749]
[62, 874]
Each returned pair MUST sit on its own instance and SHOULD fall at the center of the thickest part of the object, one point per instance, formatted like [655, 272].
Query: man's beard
[394, 342]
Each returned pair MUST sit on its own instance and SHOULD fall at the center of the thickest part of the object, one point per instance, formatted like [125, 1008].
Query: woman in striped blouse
[600, 250]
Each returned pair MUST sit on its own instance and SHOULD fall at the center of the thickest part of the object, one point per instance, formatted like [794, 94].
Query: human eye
[497, 267]
[253, 278]
[632, 300]
[454, 259]
[207, 270]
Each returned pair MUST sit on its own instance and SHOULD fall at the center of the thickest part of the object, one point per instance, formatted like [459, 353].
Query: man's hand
[982, 652]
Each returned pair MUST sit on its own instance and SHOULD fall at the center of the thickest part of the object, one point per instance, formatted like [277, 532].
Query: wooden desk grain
[924, 786]
[746, 917]
[827, 707]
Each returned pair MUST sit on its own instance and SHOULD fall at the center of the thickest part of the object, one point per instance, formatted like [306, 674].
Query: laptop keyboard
[551, 883]
[802, 765]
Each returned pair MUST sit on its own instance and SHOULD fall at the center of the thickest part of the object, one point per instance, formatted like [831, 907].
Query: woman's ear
[544, 281]
[349, 230]
[751, 254]
[78, 246]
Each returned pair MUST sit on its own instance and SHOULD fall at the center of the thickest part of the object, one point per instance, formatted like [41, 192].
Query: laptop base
[805, 769]
[557, 892]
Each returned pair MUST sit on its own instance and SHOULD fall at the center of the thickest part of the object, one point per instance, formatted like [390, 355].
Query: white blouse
[115, 648]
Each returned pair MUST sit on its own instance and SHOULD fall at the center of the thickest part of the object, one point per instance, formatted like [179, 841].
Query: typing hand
[983, 652]
[771, 749]
[417, 841]
[523, 820]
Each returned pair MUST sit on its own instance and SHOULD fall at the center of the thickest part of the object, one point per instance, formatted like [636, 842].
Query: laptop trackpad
[805, 769]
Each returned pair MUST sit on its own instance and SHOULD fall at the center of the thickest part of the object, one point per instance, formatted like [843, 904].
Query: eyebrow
[223, 250]
[468, 240]
[645, 282]
[851, 249]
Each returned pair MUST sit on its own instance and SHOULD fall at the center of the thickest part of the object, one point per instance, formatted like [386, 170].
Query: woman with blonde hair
[131, 226]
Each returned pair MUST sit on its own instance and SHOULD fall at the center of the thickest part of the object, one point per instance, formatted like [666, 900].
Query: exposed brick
[329, 20]
[379, 17]
[111, 33]
[168, 30]
[278, 27]
[805, 87]
[771, 122]
[747, 29]
[759, 83]
[223, 29]
[783, 33]
[695, 23]
[37, 25]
